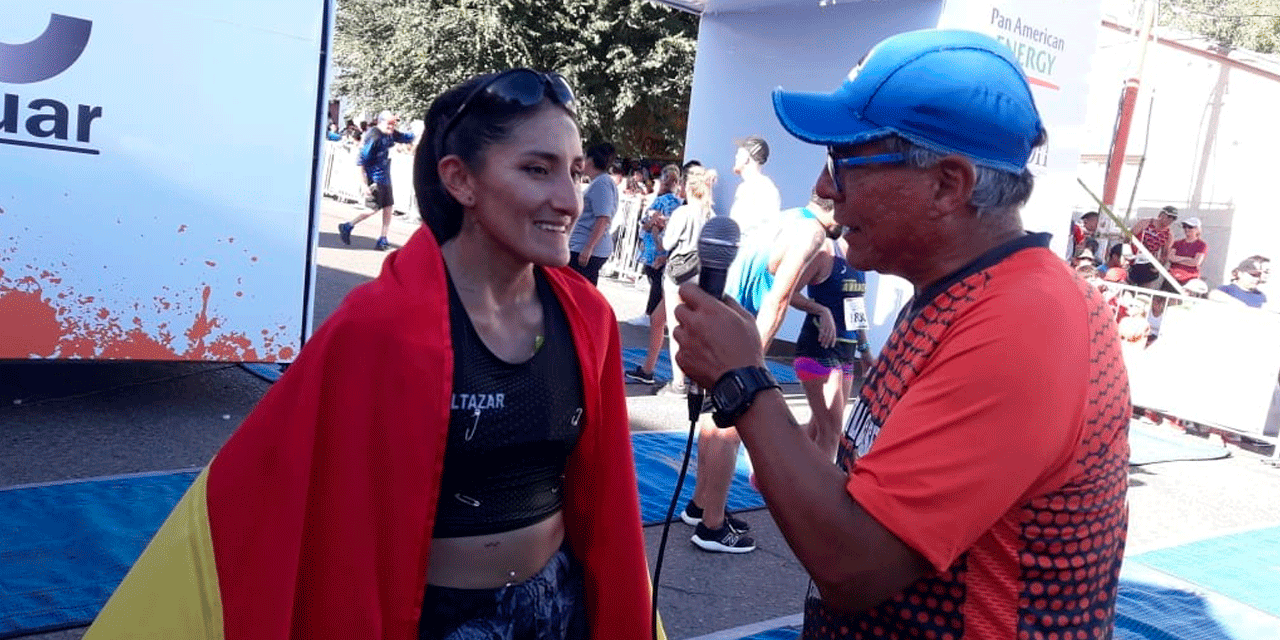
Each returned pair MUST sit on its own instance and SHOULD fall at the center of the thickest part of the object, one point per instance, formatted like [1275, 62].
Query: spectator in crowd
[1187, 253]
[654, 259]
[1119, 256]
[616, 174]
[590, 243]
[1086, 228]
[932, 524]
[1086, 270]
[1134, 326]
[1085, 257]
[1243, 288]
[449, 454]
[680, 241]
[1157, 237]
[684, 169]
[375, 160]
[756, 202]
[1264, 263]
[832, 349]
[333, 135]
[637, 183]
[1155, 316]
[351, 132]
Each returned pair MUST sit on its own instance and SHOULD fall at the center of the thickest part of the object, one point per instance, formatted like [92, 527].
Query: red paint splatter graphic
[39, 319]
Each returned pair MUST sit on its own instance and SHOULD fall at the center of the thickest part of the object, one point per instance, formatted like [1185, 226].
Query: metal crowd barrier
[1215, 364]
[628, 240]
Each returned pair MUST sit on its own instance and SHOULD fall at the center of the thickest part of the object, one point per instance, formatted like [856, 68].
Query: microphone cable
[717, 248]
[695, 409]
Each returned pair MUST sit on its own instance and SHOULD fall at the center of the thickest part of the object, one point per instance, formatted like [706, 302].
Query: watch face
[727, 394]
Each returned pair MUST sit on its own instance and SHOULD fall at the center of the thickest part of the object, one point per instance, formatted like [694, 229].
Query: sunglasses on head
[835, 163]
[515, 88]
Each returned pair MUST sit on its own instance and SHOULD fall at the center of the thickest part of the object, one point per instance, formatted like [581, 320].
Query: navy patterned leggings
[548, 606]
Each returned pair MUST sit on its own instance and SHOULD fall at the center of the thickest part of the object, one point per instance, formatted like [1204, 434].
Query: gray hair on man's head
[994, 191]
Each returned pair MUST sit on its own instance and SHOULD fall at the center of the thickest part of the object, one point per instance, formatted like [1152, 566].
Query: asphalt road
[65, 420]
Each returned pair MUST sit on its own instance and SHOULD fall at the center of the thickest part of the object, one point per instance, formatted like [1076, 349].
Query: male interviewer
[981, 484]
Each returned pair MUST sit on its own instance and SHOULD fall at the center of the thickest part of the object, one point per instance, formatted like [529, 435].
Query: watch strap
[753, 380]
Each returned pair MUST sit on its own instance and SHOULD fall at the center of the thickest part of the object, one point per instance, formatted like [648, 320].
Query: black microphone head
[718, 243]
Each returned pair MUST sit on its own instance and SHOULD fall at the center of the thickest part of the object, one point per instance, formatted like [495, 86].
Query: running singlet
[844, 294]
[749, 277]
[511, 427]
[992, 438]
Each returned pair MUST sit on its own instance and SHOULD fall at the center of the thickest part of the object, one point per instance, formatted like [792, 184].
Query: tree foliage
[1233, 24]
[630, 62]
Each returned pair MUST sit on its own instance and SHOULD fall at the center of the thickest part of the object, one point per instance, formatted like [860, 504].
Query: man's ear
[457, 179]
[956, 178]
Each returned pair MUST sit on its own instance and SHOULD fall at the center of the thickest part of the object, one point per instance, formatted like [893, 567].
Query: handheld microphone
[717, 247]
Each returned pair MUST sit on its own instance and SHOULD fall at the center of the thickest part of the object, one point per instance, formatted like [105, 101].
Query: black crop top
[511, 426]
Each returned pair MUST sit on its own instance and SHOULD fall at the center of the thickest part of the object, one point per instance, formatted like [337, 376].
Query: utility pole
[1128, 98]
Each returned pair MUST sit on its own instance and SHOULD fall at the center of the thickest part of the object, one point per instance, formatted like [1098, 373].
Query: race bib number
[855, 314]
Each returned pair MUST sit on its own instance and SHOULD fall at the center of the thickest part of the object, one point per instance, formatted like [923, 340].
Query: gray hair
[994, 191]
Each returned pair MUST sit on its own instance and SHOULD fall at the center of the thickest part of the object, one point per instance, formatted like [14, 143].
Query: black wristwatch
[736, 390]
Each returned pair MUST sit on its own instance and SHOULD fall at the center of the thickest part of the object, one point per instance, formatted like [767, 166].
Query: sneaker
[344, 232]
[692, 516]
[382, 244]
[640, 375]
[671, 391]
[722, 540]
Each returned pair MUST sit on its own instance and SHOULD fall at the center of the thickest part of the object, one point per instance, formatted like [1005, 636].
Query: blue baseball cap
[950, 91]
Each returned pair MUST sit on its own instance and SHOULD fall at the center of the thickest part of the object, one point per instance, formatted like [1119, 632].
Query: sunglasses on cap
[834, 163]
[514, 88]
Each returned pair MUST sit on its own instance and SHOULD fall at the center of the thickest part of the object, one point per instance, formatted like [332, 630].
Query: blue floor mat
[64, 547]
[658, 456]
[1153, 605]
[1242, 566]
[783, 633]
[634, 357]
[1149, 444]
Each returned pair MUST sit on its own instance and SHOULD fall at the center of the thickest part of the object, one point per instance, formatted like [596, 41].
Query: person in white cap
[1187, 254]
[980, 490]
[1156, 234]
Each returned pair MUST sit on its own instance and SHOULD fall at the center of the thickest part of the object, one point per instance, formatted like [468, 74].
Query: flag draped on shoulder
[314, 520]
